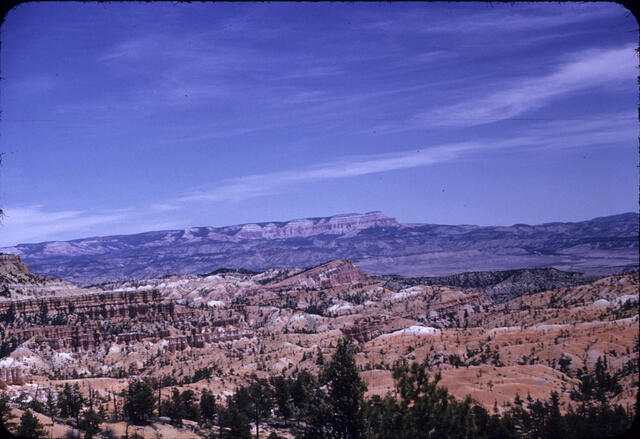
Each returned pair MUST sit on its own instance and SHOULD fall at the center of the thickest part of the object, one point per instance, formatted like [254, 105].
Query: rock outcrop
[16, 281]
[302, 228]
[91, 305]
[329, 275]
[11, 376]
[12, 265]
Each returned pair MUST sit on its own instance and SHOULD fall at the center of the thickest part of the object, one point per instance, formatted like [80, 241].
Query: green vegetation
[30, 427]
[70, 402]
[208, 408]
[5, 410]
[332, 405]
[423, 410]
[181, 406]
[139, 402]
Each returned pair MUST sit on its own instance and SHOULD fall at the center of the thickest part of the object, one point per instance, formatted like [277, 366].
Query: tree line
[332, 405]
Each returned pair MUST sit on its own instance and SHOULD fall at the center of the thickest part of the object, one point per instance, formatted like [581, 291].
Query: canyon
[491, 335]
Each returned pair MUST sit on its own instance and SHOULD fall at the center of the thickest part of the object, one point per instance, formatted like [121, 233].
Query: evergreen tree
[90, 423]
[260, 398]
[190, 405]
[10, 315]
[139, 401]
[555, 425]
[318, 416]
[52, 409]
[182, 406]
[70, 402]
[597, 387]
[30, 427]
[302, 389]
[207, 406]
[424, 410]
[494, 426]
[320, 358]
[345, 393]
[382, 417]
[236, 421]
[173, 407]
[282, 390]
[5, 411]
[44, 312]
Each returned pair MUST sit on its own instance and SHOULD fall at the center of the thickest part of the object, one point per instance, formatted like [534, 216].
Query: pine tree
[30, 427]
[555, 425]
[10, 315]
[90, 423]
[424, 409]
[173, 408]
[282, 390]
[207, 406]
[190, 406]
[139, 402]
[260, 402]
[302, 389]
[345, 393]
[318, 416]
[5, 410]
[236, 421]
[70, 402]
[52, 409]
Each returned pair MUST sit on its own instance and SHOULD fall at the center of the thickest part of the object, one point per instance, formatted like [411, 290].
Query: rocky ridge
[500, 286]
[378, 244]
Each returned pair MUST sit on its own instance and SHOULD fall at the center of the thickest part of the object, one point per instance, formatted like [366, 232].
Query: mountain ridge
[376, 243]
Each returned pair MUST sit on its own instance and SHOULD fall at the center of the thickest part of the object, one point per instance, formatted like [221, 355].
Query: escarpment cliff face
[42, 334]
[17, 282]
[12, 265]
[87, 306]
[303, 228]
[332, 274]
[376, 243]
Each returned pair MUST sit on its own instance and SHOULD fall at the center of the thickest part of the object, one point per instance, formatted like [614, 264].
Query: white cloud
[608, 130]
[594, 68]
[35, 224]
[271, 183]
[499, 19]
[164, 207]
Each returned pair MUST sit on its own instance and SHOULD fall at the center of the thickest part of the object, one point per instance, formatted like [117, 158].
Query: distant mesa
[302, 228]
[376, 243]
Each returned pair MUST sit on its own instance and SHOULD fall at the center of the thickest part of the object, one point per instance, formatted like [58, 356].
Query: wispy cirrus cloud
[35, 223]
[272, 183]
[499, 19]
[586, 70]
[609, 129]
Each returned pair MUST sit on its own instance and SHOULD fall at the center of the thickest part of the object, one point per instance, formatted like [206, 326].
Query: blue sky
[122, 118]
